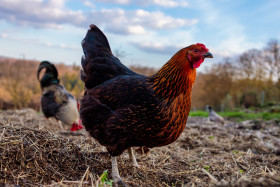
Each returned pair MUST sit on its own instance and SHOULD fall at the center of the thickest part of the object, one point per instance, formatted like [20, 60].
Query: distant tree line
[249, 80]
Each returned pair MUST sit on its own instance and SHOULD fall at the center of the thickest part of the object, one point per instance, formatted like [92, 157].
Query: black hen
[123, 109]
[56, 101]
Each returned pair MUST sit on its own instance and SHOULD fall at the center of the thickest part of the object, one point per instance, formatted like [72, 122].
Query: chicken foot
[132, 158]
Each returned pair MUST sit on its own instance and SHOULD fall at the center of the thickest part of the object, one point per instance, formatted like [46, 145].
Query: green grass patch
[104, 178]
[269, 116]
[240, 115]
[198, 113]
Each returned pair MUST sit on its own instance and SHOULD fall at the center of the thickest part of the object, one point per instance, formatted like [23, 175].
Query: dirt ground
[36, 152]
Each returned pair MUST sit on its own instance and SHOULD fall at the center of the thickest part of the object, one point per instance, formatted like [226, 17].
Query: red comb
[202, 46]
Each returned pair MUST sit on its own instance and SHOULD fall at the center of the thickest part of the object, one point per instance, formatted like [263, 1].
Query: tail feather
[95, 43]
[98, 63]
[50, 76]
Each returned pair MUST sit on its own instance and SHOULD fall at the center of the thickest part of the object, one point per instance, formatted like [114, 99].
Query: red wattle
[197, 63]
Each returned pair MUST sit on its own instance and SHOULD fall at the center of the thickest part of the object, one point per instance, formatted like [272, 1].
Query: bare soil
[35, 151]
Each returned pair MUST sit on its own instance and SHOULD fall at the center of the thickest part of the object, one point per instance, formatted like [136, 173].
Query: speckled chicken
[56, 101]
[122, 109]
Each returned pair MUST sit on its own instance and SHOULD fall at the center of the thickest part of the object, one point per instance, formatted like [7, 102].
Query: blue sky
[148, 31]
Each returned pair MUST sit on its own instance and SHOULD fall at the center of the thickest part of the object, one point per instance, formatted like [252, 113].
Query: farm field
[34, 151]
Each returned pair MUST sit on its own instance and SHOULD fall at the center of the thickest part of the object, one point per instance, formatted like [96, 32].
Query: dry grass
[37, 152]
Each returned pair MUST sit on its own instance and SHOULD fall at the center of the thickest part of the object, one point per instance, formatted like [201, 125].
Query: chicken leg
[60, 124]
[132, 158]
[115, 172]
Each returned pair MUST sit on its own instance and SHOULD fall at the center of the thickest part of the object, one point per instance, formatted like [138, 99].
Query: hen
[213, 116]
[56, 101]
[122, 109]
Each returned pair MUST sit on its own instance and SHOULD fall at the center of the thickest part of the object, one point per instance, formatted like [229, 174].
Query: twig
[203, 150]
[84, 177]
[2, 134]
[22, 122]
[76, 182]
[277, 179]
[234, 161]
[163, 161]
[91, 179]
[185, 172]
[210, 176]
[266, 168]
[72, 134]
[249, 153]
[239, 165]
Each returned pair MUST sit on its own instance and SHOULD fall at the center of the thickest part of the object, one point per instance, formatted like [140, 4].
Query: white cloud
[163, 3]
[156, 47]
[136, 21]
[136, 29]
[39, 13]
[124, 2]
[121, 2]
[53, 14]
[3, 35]
[54, 3]
[89, 4]
[167, 44]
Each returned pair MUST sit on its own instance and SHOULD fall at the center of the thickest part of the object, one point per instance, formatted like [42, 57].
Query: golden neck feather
[176, 77]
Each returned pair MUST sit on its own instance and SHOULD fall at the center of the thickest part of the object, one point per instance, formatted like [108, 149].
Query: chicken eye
[195, 50]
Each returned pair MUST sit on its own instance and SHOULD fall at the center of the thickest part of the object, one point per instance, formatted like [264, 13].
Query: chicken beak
[207, 55]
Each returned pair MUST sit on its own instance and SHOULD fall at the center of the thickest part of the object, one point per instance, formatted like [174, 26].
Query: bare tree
[249, 64]
[119, 53]
[272, 59]
[213, 86]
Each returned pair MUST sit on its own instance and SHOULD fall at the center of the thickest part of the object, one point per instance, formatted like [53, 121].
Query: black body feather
[120, 107]
[49, 105]
[117, 112]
